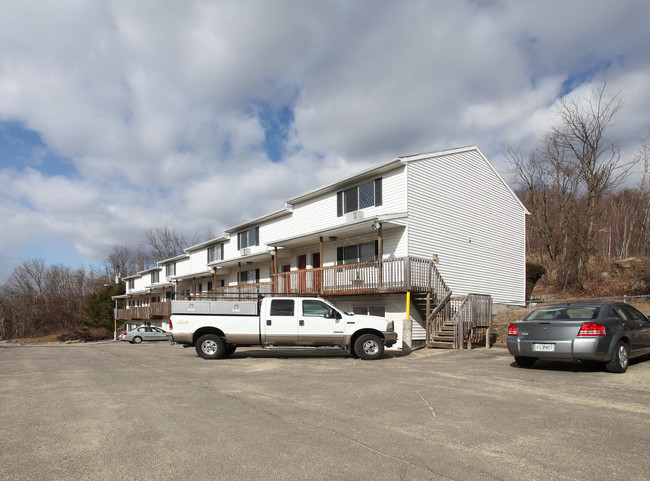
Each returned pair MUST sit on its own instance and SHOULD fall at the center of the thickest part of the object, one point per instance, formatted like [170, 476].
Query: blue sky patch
[21, 147]
[56, 250]
[584, 76]
[276, 122]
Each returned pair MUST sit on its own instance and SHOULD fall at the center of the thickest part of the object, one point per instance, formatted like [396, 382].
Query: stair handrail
[474, 311]
[437, 317]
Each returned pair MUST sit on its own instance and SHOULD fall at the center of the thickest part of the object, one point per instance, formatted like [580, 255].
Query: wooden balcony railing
[229, 292]
[152, 311]
[381, 276]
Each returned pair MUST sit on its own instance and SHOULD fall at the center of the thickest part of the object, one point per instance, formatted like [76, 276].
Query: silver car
[607, 332]
[145, 333]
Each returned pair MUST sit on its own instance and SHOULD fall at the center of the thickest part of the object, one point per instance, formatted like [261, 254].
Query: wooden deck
[396, 275]
[450, 321]
[156, 310]
[374, 277]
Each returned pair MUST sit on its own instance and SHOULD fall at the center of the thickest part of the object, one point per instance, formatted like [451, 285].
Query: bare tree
[581, 144]
[642, 204]
[165, 242]
[124, 260]
[566, 181]
[39, 299]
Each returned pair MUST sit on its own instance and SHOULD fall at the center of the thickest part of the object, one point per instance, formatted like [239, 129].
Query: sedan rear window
[564, 312]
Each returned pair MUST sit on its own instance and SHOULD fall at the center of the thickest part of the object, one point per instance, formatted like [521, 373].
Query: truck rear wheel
[210, 346]
[369, 347]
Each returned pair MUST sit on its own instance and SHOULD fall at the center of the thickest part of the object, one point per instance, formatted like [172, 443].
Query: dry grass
[52, 338]
[80, 335]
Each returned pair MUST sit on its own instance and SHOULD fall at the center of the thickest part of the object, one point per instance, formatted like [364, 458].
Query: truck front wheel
[369, 347]
[210, 346]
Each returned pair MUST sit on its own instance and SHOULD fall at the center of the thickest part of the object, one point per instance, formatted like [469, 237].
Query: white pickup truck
[216, 328]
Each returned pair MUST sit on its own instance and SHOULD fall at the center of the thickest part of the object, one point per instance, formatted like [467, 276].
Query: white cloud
[157, 103]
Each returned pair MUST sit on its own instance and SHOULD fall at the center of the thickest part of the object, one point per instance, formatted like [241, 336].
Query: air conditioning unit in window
[354, 216]
[244, 252]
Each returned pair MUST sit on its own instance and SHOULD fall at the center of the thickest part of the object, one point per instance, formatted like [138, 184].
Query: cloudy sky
[120, 116]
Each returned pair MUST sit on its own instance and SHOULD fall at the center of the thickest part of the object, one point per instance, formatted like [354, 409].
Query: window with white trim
[359, 197]
[357, 253]
[215, 253]
[248, 238]
[155, 277]
[170, 270]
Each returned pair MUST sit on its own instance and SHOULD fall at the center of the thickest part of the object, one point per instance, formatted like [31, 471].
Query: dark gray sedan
[607, 332]
[145, 333]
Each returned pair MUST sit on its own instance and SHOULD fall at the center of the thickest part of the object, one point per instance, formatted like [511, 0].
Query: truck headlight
[390, 327]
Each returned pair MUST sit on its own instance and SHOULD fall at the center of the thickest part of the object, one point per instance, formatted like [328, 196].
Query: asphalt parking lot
[153, 411]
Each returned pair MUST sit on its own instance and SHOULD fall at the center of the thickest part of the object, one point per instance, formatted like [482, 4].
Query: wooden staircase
[459, 319]
[450, 321]
[443, 336]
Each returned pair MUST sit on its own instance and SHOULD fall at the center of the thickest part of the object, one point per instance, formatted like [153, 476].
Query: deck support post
[407, 329]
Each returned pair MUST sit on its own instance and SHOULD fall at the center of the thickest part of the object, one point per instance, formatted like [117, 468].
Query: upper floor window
[357, 253]
[170, 270]
[248, 238]
[215, 253]
[155, 277]
[131, 284]
[359, 197]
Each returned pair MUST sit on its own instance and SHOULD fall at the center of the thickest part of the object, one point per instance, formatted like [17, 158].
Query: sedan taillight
[170, 325]
[589, 329]
[512, 330]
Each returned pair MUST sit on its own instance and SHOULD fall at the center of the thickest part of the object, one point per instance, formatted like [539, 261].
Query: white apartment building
[410, 238]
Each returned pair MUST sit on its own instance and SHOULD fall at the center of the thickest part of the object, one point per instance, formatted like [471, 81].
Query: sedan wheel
[620, 360]
[523, 361]
[137, 339]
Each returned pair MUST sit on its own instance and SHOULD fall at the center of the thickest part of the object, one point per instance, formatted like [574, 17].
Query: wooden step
[440, 338]
[441, 345]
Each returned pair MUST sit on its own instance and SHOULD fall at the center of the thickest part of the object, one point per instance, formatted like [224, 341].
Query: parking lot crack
[433, 412]
[334, 432]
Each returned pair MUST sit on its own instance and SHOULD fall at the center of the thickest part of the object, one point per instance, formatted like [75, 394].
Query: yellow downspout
[408, 304]
[407, 330]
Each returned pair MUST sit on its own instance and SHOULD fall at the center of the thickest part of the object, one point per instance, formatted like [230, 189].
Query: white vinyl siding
[321, 212]
[461, 210]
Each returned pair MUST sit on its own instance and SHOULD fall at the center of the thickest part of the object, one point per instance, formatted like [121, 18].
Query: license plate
[544, 347]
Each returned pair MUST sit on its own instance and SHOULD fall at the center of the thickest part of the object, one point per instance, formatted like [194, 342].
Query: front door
[279, 323]
[318, 324]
